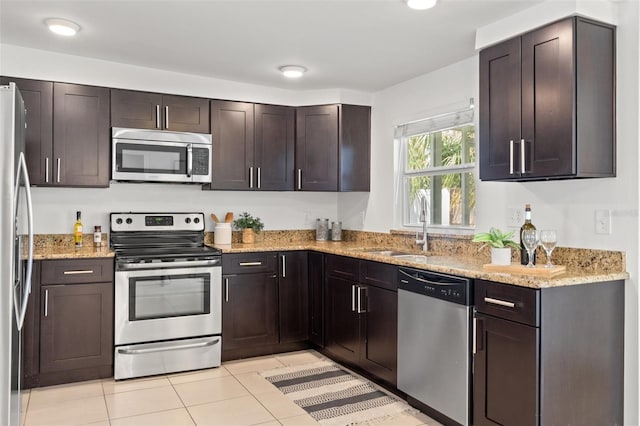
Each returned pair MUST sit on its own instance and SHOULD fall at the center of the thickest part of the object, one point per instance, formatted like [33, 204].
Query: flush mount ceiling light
[292, 71]
[62, 27]
[421, 4]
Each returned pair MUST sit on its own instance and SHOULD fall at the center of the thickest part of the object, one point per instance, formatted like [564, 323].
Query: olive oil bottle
[524, 257]
[77, 231]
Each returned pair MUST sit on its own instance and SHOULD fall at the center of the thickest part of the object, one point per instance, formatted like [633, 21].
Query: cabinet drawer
[510, 302]
[343, 267]
[77, 271]
[379, 274]
[249, 263]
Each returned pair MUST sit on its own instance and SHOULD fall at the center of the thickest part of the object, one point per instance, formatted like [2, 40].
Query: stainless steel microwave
[160, 156]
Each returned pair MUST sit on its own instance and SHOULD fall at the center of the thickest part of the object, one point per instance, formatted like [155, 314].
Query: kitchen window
[436, 163]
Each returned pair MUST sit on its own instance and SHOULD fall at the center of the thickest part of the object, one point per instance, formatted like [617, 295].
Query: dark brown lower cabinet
[76, 326]
[549, 356]
[293, 295]
[316, 298]
[343, 323]
[250, 310]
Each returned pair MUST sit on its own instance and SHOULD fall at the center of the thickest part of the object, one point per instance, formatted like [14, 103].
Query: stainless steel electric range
[167, 294]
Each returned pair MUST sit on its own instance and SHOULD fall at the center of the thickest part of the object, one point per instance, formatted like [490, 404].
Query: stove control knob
[187, 220]
[119, 221]
[196, 220]
[129, 221]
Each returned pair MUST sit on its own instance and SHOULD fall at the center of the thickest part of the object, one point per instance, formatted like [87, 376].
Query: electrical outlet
[362, 217]
[603, 221]
[515, 217]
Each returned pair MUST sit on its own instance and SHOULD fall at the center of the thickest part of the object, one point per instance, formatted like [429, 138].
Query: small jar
[336, 231]
[97, 236]
[322, 229]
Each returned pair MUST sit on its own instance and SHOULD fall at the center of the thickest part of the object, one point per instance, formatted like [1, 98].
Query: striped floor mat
[332, 395]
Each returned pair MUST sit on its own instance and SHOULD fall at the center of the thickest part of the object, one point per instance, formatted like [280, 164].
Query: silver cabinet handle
[475, 336]
[359, 308]
[168, 348]
[250, 263]
[522, 157]
[511, 157]
[226, 289]
[46, 169]
[58, 177]
[189, 160]
[353, 298]
[166, 117]
[251, 177]
[284, 266]
[46, 303]
[499, 302]
[79, 272]
[157, 116]
[299, 178]
[258, 177]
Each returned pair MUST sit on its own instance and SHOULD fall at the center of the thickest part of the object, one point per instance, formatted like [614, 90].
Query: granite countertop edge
[456, 265]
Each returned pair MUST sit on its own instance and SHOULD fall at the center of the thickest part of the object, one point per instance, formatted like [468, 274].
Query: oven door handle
[122, 266]
[168, 348]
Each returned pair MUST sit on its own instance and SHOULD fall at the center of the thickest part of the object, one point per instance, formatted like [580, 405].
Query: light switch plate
[603, 221]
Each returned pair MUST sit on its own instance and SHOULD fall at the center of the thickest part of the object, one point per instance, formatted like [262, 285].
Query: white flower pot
[501, 256]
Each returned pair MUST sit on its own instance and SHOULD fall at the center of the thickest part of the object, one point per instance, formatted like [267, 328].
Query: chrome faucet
[423, 218]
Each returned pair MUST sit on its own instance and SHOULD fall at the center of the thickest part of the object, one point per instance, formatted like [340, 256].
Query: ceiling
[349, 44]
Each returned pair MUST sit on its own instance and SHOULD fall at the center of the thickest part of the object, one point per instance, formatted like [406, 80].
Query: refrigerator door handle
[22, 310]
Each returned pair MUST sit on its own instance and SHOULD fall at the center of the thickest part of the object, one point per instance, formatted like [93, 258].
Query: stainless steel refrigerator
[16, 249]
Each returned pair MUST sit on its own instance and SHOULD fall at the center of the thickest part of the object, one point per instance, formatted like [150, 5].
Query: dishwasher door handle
[422, 280]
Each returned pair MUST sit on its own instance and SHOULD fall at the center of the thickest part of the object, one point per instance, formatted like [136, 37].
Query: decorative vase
[248, 236]
[501, 256]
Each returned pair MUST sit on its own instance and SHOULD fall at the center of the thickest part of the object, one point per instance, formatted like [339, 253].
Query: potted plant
[249, 225]
[501, 244]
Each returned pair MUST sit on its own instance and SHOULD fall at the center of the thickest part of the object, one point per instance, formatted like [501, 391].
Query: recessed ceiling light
[62, 27]
[421, 4]
[292, 71]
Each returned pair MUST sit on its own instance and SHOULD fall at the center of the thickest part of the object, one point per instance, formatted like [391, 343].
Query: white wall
[568, 206]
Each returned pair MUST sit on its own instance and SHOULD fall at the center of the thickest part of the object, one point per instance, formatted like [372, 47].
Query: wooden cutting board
[516, 268]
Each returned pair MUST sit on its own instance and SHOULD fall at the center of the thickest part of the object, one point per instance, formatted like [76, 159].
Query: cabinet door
[137, 110]
[185, 114]
[355, 147]
[317, 148]
[38, 100]
[505, 378]
[380, 344]
[232, 134]
[76, 326]
[316, 298]
[274, 147]
[293, 297]
[500, 111]
[548, 100]
[249, 311]
[81, 136]
[343, 323]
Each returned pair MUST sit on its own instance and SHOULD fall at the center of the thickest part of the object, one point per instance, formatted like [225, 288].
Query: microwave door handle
[189, 160]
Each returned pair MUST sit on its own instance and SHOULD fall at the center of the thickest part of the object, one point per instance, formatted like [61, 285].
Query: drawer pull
[499, 302]
[250, 263]
[79, 272]
[46, 303]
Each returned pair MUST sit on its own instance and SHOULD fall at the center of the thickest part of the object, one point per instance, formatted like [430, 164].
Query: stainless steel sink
[403, 255]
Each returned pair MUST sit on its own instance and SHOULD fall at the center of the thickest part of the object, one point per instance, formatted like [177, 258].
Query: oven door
[154, 161]
[170, 303]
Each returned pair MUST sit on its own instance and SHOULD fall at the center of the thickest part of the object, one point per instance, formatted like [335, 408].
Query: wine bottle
[524, 256]
[77, 231]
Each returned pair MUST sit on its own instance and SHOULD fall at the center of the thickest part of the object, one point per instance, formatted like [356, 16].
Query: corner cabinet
[144, 110]
[547, 104]
[550, 356]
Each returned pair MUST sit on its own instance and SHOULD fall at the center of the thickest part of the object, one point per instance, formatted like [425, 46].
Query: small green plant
[245, 220]
[496, 238]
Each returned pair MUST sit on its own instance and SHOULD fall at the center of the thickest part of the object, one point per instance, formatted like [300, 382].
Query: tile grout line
[182, 401]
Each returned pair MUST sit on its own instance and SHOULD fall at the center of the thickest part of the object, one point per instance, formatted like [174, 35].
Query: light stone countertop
[469, 267]
[70, 252]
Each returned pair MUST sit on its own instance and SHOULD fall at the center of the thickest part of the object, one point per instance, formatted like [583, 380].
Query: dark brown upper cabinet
[253, 146]
[143, 110]
[547, 104]
[38, 100]
[333, 148]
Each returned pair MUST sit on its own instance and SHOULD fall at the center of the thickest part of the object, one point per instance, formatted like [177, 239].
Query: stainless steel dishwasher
[434, 342]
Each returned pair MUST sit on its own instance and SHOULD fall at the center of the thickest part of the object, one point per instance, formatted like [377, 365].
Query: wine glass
[530, 242]
[548, 239]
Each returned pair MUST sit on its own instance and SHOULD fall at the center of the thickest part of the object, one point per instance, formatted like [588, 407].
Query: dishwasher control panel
[445, 287]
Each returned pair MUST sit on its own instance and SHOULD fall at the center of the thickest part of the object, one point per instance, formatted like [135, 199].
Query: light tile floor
[233, 394]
